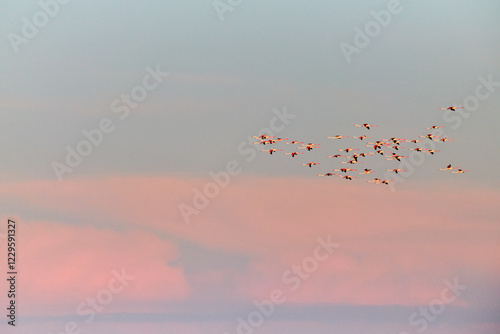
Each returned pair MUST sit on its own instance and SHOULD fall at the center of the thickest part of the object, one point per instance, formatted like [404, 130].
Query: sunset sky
[171, 221]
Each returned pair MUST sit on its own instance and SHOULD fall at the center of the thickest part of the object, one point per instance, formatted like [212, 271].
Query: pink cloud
[60, 266]
[395, 248]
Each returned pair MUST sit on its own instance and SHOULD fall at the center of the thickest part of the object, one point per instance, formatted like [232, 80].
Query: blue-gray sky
[227, 78]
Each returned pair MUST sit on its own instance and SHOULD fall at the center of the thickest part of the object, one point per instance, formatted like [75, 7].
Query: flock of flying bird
[388, 148]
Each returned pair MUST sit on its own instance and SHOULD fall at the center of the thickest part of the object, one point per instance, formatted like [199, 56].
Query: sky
[142, 204]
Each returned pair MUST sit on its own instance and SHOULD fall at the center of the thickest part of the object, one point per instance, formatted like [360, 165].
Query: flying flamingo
[396, 170]
[418, 149]
[271, 151]
[444, 139]
[347, 177]
[435, 127]
[347, 150]
[345, 170]
[395, 140]
[377, 181]
[375, 146]
[396, 157]
[295, 142]
[268, 141]
[337, 156]
[365, 125]
[327, 174]
[310, 164]
[378, 144]
[367, 171]
[338, 137]
[356, 156]
[293, 153]
[265, 141]
[263, 136]
[309, 146]
[451, 108]
[429, 136]
[352, 162]
[361, 137]
[459, 171]
[432, 151]
[448, 167]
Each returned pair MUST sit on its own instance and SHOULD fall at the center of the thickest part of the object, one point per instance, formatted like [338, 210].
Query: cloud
[60, 266]
[395, 248]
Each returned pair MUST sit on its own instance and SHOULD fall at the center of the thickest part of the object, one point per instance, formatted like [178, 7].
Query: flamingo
[367, 171]
[395, 140]
[337, 156]
[345, 170]
[365, 125]
[396, 157]
[338, 137]
[432, 151]
[444, 139]
[295, 142]
[416, 141]
[448, 167]
[293, 153]
[309, 146]
[396, 170]
[264, 141]
[310, 164]
[451, 108]
[377, 181]
[459, 171]
[376, 145]
[327, 174]
[429, 136]
[268, 141]
[352, 162]
[435, 127]
[361, 137]
[347, 177]
[263, 136]
[418, 149]
[347, 150]
[356, 156]
[271, 151]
